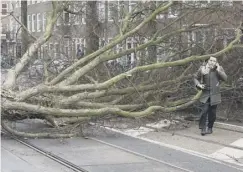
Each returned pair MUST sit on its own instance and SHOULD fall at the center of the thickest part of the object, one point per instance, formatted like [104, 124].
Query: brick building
[69, 29]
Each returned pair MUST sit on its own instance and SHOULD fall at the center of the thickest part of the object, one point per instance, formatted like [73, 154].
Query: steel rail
[50, 155]
[141, 155]
[79, 169]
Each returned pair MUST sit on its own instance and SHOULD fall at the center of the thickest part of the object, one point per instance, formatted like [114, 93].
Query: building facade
[69, 33]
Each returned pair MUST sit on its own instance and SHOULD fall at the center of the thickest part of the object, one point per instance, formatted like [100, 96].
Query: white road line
[230, 154]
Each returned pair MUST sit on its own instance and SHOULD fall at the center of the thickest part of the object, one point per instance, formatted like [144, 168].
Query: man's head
[212, 61]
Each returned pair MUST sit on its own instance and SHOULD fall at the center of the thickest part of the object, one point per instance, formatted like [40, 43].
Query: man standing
[208, 80]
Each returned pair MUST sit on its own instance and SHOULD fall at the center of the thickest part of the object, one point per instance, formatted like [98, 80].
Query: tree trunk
[152, 50]
[24, 35]
[92, 24]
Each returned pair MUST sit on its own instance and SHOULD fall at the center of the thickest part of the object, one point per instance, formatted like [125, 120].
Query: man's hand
[218, 67]
[201, 86]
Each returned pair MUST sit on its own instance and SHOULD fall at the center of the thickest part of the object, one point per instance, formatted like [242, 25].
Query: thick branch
[104, 49]
[8, 105]
[117, 78]
[15, 71]
[103, 105]
[34, 135]
[173, 63]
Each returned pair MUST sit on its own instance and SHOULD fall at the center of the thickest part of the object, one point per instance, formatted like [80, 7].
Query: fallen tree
[84, 90]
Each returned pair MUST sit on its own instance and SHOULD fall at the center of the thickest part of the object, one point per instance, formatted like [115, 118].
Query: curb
[229, 127]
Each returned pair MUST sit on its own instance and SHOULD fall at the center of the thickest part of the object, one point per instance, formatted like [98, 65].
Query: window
[59, 20]
[199, 37]
[11, 25]
[29, 23]
[131, 43]
[10, 6]
[44, 21]
[78, 45]
[227, 3]
[66, 17]
[51, 49]
[112, 10]
[38, 22]
[172, 13]
[33, 22]
[4, 9]
[101, 11]
[132, 5]
[229, 35]
[66, 47]
[84, 13]
[57, 50]
[121, 10]
[78, 18]
[34, 1]
[83, 43]
[39, 52]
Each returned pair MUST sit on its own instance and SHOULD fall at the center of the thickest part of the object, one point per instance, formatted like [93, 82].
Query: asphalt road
[111, 153]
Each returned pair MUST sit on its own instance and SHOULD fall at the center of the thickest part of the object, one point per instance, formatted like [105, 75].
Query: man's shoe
[203, 131]
[210, 131]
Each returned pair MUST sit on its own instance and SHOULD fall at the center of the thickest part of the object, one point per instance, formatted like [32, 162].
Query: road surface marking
[230, 154]
[191, 152]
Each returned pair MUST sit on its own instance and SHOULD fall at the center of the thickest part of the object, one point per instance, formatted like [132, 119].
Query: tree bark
[152, 50]
[24, 34]
[92, 24]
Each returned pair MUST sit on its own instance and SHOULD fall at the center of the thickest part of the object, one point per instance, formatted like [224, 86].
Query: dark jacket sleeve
[197, 76]
[221, 73]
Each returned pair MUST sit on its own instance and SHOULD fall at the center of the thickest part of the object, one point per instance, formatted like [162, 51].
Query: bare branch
[23, 26]
[8, 105]
[102, 50]
[15, 71]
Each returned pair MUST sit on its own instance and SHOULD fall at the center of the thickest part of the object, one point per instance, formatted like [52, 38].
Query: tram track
[76, 168]
[50, 155]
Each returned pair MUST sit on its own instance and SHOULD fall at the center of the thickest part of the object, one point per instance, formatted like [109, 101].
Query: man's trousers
[208, 113]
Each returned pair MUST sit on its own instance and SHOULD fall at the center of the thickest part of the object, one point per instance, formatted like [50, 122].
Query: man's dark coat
[212, 84]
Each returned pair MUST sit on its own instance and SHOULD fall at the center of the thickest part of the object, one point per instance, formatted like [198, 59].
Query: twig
[23, 26]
